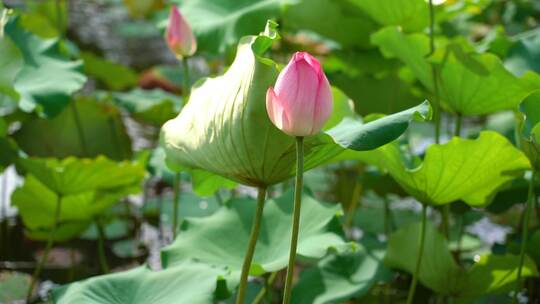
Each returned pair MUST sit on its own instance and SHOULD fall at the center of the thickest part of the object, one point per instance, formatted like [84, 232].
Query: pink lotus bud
[302, 100]
[179, 35]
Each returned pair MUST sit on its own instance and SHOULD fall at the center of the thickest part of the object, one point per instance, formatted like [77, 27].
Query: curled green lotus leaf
[225, 129]
[471, 170]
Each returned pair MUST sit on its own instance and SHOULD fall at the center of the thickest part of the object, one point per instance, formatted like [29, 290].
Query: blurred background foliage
[86, 85]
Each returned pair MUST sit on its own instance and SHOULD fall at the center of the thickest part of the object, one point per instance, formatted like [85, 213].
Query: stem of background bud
[48, 247]
[176, 180]
[524, 234]
[296, 217]
[256, 226]
[419, 255]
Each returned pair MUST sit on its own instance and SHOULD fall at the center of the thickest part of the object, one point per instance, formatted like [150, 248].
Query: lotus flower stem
[412, 288]
[48, 247]
[256, 226]
[101, 247]
[524, 235]
[296, 217]
[176, 202]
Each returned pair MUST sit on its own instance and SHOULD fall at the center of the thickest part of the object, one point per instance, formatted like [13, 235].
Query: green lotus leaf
[491, 274]
[150, 106]
[37, 206]
[225, 129]
[73, 176]
[411, 15]
[11, 63]
[494, 274]
[220, 25]
[337, 278]
[47, 78]
[438, 271]
[102, 132]
[468, 83]
[337, 15]
[462, 169]
[529, 124]
[115, 76]
[13, 286]
[188, 283]
[319, 232]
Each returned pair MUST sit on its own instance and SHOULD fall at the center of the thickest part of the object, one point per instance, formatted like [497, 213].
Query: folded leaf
[225, 128]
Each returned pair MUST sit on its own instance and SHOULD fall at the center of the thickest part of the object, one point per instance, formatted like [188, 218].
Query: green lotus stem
[48, 247]
[59, 18]
[186, 79]
[387, 218]
[357, 190]
[176, 202]
[79, 127]
[256, 226]
[264, 291]
[414, 282]
[445, 214]
[3, 216]
[101, 247]
[524, 234]
[176, 182]
[459, 120]
[296, 217]
[436, 105]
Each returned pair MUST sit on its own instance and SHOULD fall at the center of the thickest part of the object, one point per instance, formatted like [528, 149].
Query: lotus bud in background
[301, 101]
[179, 36]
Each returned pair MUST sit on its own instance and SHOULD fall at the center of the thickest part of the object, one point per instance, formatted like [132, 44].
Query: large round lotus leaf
[338, 278]
[219, 26]
[225, 129]
[468, 83]
[37, 206]
[462, 169]
[73, 176]
[226, 235]
[102, 132]
[46, 78]
[188, 283]
[439, 272]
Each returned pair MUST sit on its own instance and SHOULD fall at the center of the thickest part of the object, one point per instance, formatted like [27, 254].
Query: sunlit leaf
[462, 169]
[73, 176]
